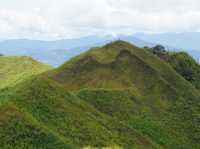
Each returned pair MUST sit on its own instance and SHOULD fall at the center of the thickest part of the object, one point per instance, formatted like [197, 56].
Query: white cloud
[49, 19]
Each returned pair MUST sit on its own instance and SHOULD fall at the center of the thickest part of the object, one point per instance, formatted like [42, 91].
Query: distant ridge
[56, 52]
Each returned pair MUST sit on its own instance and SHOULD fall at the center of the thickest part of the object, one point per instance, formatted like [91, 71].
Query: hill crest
[14, 69]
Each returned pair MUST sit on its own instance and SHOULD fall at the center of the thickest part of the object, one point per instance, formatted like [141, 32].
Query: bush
[158, 49]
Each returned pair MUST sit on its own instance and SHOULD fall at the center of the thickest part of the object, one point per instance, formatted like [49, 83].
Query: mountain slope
[15, 69]
[117, 94]
[120, 65]
[19, 131]
[184, 64]
[73, 118]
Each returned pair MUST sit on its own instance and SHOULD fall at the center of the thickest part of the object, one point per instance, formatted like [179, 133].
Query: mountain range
[116, 96]
[184, 41]
[56, 52]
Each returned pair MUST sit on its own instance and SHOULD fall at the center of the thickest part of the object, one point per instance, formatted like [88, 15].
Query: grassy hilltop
[116, 95]
[15, 69]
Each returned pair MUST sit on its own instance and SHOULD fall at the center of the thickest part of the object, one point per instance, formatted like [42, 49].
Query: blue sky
[54, 19]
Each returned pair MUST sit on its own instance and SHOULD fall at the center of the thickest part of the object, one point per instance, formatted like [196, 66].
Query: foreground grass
[110, 147]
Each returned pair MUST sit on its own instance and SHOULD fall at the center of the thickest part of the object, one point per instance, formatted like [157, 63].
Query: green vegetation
[185, 65]
[115, 96]
[110, 147]
[72, 118]
[182, 62]
[18, 130]
[14, 70]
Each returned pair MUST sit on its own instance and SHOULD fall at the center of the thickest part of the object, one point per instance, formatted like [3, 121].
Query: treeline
[182, 62]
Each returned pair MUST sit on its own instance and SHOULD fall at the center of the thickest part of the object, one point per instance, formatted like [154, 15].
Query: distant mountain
[186, 41]
[56, 52]
[50, 52]
[195, 54]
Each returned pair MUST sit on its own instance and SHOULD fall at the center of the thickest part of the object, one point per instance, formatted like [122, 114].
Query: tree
[158, 49]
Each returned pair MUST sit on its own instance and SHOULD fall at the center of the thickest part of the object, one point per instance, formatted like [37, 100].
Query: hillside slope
[185, 65]
[117, 94]
[14, 70]
[18, 130]
[120, 65]
[73, 118]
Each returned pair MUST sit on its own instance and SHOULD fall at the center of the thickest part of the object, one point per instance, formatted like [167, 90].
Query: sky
[56, 19]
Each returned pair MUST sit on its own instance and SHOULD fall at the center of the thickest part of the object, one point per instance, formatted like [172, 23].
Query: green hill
[185, 65]
[14, 70]
[115, 95]
[19, 130]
